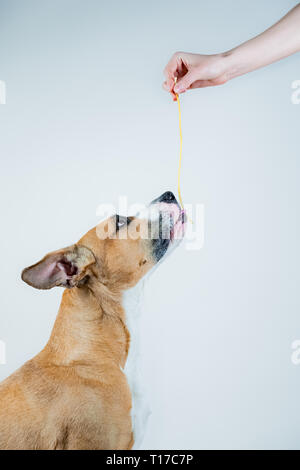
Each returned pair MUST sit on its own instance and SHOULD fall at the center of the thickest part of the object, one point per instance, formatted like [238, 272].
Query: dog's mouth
[177, 229]
[169, 225]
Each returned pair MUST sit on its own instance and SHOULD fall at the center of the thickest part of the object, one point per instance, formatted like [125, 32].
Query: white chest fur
[140, 410]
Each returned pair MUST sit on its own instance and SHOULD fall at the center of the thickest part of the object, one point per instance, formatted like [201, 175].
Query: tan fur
[73, 394]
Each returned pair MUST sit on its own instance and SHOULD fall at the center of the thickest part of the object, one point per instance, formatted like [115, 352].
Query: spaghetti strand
[180, 156]
[180, 152]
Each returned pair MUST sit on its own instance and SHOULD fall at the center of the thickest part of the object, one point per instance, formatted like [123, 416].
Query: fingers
[178, 68]
[172, 71]
[194, 71]
[171, 67]
[186, 81]
[195, 84]
[166, 87]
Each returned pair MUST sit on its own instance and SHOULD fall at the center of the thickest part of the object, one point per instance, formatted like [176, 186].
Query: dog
[82, 391]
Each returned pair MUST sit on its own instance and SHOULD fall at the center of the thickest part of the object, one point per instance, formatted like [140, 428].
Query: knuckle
[176, 56]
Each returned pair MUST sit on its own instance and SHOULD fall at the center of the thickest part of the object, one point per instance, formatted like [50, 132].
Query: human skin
[198, 70]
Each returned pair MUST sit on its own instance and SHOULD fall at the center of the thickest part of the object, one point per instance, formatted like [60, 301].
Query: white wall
[86, 120]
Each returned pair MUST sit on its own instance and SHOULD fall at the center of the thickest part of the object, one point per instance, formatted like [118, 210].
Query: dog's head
[117, 253]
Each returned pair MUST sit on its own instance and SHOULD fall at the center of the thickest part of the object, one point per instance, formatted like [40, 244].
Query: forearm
[278, 42]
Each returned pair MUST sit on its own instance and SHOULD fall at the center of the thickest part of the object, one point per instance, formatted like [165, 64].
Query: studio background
[86, 120]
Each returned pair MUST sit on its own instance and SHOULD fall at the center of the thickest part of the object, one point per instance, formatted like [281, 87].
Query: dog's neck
[96, 336]
[90, 329]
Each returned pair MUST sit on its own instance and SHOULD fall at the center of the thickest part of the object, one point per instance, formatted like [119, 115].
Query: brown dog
[81, 391]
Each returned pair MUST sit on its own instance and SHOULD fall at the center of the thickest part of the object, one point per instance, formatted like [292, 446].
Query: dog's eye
[121, 221]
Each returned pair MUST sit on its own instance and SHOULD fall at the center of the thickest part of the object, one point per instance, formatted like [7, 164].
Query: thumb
[185, 82]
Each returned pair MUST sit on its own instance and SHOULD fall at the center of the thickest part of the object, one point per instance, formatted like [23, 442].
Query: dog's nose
[168, 196]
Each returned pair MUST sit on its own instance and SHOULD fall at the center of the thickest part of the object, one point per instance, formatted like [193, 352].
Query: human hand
[194, 71]
[198, 70]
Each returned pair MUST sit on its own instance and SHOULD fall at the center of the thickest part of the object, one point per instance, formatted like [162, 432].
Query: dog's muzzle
[167, 227]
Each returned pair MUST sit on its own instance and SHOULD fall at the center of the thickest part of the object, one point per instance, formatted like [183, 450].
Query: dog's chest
[140, 410]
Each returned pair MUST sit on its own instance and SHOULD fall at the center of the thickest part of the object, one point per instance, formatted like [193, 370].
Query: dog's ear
[66, 268]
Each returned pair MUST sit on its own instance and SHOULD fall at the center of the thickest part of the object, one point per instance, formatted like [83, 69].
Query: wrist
[234, 65]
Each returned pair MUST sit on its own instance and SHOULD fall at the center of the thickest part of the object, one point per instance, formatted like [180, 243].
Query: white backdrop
[86, 120]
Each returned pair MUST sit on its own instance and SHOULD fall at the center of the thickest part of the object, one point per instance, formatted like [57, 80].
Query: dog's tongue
[178, 226]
